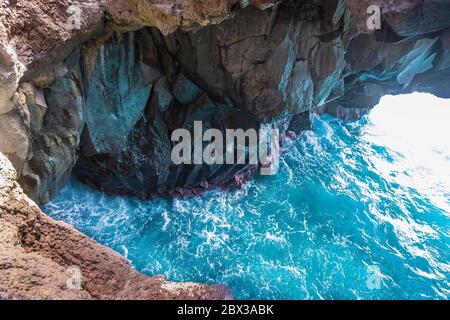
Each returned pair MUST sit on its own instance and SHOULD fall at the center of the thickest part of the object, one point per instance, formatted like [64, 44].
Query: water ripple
[354, 213]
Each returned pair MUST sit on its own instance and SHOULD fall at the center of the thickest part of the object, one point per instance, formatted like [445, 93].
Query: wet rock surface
[65, 85]
[277, 65]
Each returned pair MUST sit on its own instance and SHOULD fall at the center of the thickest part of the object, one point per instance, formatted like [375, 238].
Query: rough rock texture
[115, 100]
[37, 255]
[254, 68]
[103, 99]
[395, 12]
[42, 33]
[410, 53]
[65, 81]
[168, 15]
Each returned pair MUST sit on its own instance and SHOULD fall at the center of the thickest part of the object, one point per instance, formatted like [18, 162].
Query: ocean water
[358, 210]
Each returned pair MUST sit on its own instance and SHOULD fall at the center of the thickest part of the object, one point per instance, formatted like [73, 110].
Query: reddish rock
[58, 103]
[38, 253]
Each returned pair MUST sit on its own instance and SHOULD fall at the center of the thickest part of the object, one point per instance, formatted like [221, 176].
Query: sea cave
[90, 98]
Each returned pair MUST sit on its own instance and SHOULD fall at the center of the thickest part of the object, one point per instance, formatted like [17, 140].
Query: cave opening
[359, 206]
[414, 128]
[362, 197]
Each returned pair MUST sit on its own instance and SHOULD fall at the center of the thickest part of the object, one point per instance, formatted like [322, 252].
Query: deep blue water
[357, 211]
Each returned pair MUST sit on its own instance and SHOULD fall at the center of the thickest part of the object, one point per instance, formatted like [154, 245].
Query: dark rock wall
[260, 67]
[116, 90]
[410, 53]
[141, 165]
[57, 119]
[111, 106]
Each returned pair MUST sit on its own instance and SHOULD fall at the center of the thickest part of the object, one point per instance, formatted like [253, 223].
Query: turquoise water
[357, 211]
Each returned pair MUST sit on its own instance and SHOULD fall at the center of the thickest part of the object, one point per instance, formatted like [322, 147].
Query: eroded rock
[276, 64]
[115, 93]
[37, 255]
[105, 97]
[233, 75]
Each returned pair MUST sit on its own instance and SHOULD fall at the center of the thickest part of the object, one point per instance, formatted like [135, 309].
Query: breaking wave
[357, 211]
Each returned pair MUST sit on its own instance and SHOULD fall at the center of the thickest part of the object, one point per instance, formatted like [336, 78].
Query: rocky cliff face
[38, 257]
[46, 89]
[66, 87]
[410, 53]
[102, 100]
